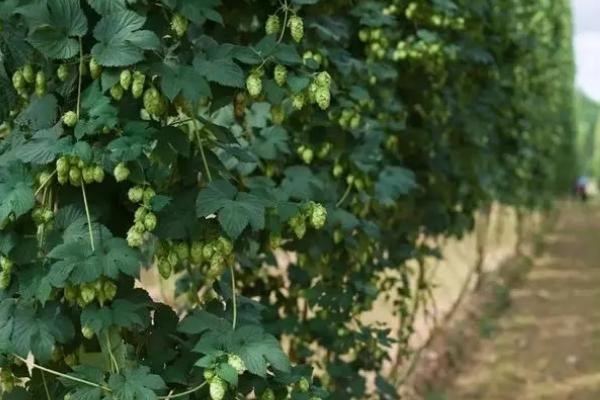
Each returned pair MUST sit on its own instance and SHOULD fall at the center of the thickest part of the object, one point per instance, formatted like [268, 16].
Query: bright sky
[587, 46]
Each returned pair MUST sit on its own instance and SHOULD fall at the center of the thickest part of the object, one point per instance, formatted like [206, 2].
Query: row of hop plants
[206, 138]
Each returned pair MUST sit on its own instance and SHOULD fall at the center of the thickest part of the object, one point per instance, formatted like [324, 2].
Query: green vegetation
[208, 137]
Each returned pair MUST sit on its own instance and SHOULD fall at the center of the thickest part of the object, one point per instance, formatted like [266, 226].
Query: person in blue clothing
[581, 187]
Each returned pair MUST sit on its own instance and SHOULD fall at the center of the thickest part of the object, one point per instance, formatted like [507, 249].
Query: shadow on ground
[547, 345]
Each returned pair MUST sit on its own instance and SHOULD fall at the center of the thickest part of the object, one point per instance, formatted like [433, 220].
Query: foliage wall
[202, 136]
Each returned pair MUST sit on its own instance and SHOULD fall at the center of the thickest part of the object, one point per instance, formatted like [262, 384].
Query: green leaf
[227, 373]
[40, 113]
[224, 71]
[81, 391]
[16, 192]
[55, 32]
[135, 384]
[271, 143]
[104, 7]
[202, 321]
[300, 183]
[121, 313]
[235, 210]
[175, 79]
[44, 146]
[200, 11]
[97, 112]
[121, 40]
[394, 182]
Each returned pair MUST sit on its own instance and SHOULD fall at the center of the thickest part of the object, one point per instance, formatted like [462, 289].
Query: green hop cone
[298, 101]
[116, 92]
[137, 88]
[237, 363]
[179, 25]
[164, 268]
[208, 374]
[4, 280]
[95, 68]
[268, 394]
[87, 331]
[150, 222]
[217, 388]
[196, 252]
[296, 26]
[277, 115]
[121, 172]
[28, 74]
[62, 72]
[273, 25]
[224, 246]
[323, 98]
[125, 79]
[62, 165]
[303, 385]
[40, 79]
[183, 251]
[44, 177]
[323, 79]
[69, 119]
[134, 238]
[75, 176]
[140, 213]
[280, 74]
[18, 80]
[298, 225]
[139, 227]
[154, 103]
[63, 178]
[149, 194]
[109, 289]
[47, 215]
[88, 175]
[135, 194]
[87, 293]
[98, 174]
[317, 215]
[254, 85]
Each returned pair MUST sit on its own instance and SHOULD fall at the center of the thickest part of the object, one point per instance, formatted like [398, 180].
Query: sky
[587, 46]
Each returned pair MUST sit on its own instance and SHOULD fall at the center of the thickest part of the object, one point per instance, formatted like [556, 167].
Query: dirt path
[548, 343]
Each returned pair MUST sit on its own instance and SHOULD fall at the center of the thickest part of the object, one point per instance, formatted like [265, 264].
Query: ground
[547, 344]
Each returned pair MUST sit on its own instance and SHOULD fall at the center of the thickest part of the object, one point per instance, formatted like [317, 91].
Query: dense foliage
[210, 138]
[588, 135]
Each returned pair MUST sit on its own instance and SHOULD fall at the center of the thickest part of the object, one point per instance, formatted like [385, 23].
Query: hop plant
[323, 79]
[268, 394]
[254, 84]
[237, 363]
[303, 385]
[298, 101]
[280, 74]
[317, 215]
[40, 83]
[121, 172]
[296, 26]
[179, 25]
[323, 98]
[87, 331]
[116, 92]
[164, 268]
[150, 222]
[95, 68]
[70, 119]
[28, 74]
[217, 388]
[98, 174]
[154, 103]
[273, 25]
[125, 79]
[135, 194]
[62, 72]
[18, 80]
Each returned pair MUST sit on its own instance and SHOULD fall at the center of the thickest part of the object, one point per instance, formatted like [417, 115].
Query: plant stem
[87, 214]
[344, 196]
[80, 76]
[43, 185]
[192, 390]
[113, 360]
[46, 386]
[199, 139]
[233, 298]
[285, 19]
[65, 376]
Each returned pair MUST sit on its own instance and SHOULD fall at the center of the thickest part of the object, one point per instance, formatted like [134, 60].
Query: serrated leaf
[54, 34]
[135, 384]
[121, 313]
[44, 146]
[225, 72]
[121, 40]
[227, 373]
[39, 114]
[258, 350]
[394, 182]
[176, 79]
[97, 112]
[16, 192]
[104, 7]
[271, 143]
